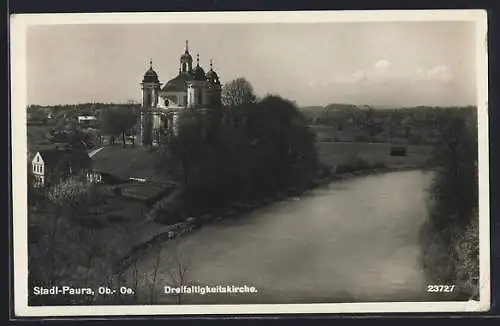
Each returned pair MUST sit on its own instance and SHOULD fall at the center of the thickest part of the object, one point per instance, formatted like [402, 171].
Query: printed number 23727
[440, 288]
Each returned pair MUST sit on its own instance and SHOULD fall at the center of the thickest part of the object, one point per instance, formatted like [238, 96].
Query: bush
[362, 138]
[398, 151]
[257, 150]
[169, 210]
[379, 165]
[354, 163]
[451, 238]
[63, 247]
[324, 171]
[467, 263]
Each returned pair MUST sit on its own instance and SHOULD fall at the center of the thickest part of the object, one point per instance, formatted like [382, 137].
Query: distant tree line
[64, 113]
[418, 125]
[116, 120]
[61, 123]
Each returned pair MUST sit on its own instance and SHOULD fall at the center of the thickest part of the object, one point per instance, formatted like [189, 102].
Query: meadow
[337, 147]
[333, 154]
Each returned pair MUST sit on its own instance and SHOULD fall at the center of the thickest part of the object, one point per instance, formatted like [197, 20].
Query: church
[161, 106]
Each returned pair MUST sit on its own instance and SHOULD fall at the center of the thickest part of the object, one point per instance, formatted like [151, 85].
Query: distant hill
[340, 107]
[314, 112]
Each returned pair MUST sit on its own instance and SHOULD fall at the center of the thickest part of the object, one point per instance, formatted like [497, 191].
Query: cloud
[381, 65]
[384, 82]
[312, 83]
[440, 73]
[382, 71]
[359, 75]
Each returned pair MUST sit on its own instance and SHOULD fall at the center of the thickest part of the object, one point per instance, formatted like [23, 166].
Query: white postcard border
[18, 27]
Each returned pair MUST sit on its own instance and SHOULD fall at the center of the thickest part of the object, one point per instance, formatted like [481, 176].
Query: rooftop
[129, 162]
[73, 157]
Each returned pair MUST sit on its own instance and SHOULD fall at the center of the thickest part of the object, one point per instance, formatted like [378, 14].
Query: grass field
[335, 153]
[145, 191]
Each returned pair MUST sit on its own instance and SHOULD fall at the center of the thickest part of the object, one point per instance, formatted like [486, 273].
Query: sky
[376, 63]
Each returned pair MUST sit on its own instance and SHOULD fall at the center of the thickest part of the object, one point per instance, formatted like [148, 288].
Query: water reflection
[353, 240]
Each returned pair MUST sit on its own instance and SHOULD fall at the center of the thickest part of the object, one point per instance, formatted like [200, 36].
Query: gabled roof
[76, 158]
[129, 162]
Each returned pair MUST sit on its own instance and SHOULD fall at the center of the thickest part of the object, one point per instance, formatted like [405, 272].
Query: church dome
[186, 57]
[178, 84]
[211, 75]
[199, 73]
[150, 76]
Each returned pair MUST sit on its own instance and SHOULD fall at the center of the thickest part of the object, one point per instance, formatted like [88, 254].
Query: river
[352, 240]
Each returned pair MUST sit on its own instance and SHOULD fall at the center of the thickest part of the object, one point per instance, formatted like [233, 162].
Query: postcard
[207, 163]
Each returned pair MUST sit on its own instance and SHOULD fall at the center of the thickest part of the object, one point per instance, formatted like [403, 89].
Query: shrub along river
[352, 240]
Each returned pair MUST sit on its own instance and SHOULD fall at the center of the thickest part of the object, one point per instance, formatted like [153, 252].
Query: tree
[451, 236]
[116, 120]
[237, 92]
[36, 113]
[70, 133]
[68, 200]
[186, 147]
[370, 125]
[65, 249]
[284, 141]
[265, 149]
[176, 263]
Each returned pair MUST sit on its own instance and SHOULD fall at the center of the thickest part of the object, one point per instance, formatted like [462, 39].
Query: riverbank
[305, 249]
[192, 224]
[365, 172]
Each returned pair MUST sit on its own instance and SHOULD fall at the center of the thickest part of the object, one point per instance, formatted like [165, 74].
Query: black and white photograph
[250, 162]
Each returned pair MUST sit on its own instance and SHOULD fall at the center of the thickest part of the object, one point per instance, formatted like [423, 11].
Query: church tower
[186, 61]
[150, 91]
[197, 87]
[214, 87]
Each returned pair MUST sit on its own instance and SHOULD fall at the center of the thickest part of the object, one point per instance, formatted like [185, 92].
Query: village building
[50, 166]
[87, 121]
[161, 106]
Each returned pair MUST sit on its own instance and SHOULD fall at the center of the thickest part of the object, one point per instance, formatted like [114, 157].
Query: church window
[200, 99]
[185, 99]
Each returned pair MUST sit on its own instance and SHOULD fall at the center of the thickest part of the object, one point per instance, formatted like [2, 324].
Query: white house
[52, 165]
[38, 166]
[87, 120]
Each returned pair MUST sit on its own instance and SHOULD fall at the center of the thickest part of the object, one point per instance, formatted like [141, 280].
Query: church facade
[161, 105]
